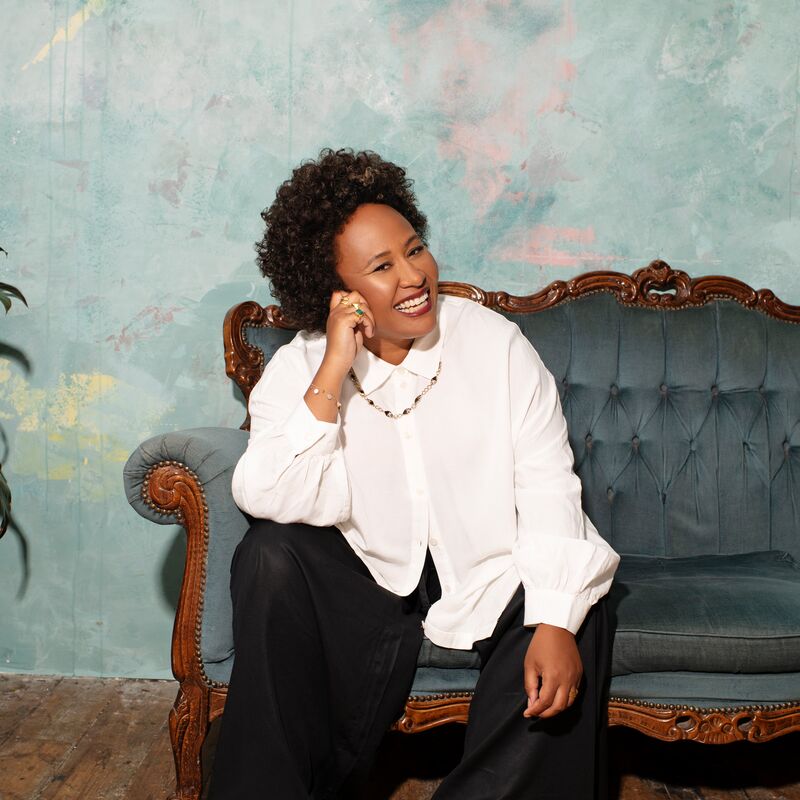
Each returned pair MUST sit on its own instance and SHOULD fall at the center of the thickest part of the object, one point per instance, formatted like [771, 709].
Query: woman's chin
[416, 324]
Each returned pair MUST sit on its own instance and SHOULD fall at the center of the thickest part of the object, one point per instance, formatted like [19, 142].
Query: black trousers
[325, 658]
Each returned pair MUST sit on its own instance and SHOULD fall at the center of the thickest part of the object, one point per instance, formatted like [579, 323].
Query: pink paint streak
[171, 190]
[146, 324]
[83, 172]
[543, 245]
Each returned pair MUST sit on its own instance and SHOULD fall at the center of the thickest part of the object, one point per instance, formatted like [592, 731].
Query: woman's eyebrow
[386, 252]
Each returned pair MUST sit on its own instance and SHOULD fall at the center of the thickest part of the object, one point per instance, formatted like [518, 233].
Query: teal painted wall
[139, 141]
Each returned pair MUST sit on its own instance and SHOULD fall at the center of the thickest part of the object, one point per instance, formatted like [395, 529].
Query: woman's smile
[416, 304]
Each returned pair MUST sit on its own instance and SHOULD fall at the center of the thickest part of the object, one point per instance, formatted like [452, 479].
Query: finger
[546, 696]
[572, 695]
[531, 690]
[368, 324]
[560, 702]
[366, 320]
[336, 299]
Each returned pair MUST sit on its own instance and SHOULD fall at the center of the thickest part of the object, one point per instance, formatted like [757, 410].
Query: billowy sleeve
[293, 469]
[564, 564]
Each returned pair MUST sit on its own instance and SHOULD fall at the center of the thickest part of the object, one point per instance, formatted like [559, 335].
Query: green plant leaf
[5, 503]
[15, 354]
[13, 291]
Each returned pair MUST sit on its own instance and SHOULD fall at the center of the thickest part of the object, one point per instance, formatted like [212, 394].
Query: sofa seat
[711, 613]
[700, 614]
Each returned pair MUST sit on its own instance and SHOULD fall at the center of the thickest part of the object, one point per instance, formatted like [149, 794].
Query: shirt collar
[422, 359]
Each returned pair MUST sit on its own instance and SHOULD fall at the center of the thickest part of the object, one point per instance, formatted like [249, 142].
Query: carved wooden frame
[171, 488]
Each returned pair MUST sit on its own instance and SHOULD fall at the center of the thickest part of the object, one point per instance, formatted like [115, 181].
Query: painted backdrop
[140, 139]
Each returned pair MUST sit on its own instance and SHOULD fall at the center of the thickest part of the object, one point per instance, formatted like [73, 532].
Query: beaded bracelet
[317, 390]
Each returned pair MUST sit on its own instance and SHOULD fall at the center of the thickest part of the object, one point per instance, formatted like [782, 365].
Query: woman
[409, 472]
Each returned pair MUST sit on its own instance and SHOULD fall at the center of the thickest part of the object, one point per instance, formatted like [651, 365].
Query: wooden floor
[103, 739]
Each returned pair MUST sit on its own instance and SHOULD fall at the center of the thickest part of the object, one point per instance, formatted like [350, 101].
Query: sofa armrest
[210, 453]
[185, 478]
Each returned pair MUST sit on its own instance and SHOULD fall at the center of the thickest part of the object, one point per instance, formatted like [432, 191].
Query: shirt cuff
[307, 434]
[555, 608]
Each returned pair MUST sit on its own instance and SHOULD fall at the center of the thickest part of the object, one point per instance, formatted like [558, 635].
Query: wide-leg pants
[325, 658]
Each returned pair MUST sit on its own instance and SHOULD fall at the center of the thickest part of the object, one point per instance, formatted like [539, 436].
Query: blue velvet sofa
[682, 398]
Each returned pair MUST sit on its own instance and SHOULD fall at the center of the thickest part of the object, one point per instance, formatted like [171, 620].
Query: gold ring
[359, 312]
[573, 693]
[345, 301]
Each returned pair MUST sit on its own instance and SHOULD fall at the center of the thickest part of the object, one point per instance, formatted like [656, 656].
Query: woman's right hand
[345, 330]
[345, 337]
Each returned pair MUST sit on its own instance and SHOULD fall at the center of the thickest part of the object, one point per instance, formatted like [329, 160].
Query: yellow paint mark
[76, 421]
[117, 455]
[62, 404]
[61, 472]
[74, 391]
[74, 24]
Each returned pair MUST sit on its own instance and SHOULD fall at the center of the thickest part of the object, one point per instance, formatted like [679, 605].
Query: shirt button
[401, 370]
[420, 492]
[434, 542]
[448, 588]
[408, 435]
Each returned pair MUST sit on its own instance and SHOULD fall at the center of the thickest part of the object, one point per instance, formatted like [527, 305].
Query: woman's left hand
[553, 671]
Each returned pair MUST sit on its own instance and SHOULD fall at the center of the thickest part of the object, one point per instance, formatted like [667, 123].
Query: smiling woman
[409, 475]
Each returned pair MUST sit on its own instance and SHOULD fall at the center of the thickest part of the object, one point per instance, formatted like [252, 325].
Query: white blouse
[480, 473]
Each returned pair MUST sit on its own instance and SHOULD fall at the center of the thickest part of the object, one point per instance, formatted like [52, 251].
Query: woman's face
[380, 256]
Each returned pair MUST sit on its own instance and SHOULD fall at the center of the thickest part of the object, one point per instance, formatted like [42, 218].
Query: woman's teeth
[411, 305]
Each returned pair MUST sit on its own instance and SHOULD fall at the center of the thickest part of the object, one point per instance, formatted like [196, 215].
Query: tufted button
[714, 390]
[786, 448]
[614, 389]
[635, 442]
[761, 390]
[693, 445]
[610, 494]
[663, 388]
[564, 382]
[588, 441]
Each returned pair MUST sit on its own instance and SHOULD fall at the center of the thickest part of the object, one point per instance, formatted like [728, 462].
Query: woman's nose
[410, 275]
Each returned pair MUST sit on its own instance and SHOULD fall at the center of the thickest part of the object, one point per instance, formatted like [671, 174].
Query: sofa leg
[188, 726]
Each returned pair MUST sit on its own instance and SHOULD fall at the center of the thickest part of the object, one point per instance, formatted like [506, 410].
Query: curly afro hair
[297, 252]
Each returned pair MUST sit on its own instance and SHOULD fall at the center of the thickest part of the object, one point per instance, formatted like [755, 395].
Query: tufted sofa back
[683, 411]
[685, 424]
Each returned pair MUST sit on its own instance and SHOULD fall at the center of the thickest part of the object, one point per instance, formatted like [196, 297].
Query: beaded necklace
[408, 410]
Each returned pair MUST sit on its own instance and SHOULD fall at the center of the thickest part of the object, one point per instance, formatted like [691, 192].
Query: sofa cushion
[715, 613]
[707, 689]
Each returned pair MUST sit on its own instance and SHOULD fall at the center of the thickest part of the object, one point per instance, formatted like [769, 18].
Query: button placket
[417, 487]
[440, 556]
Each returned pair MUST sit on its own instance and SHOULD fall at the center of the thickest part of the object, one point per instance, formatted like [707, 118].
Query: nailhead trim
[150, 503]
[706, 709]
[442, 696]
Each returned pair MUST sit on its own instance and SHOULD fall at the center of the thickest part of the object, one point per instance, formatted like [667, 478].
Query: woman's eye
[382, 267]
[417, 249]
